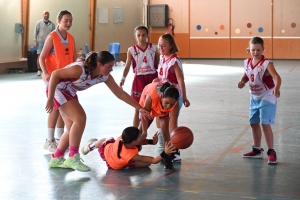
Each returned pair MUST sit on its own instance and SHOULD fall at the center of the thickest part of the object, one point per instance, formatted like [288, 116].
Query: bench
[13, 66]
[14, 70]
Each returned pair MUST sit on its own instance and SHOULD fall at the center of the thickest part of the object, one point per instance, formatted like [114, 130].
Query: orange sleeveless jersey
[111, 154]
[156, 108]
[63, 56]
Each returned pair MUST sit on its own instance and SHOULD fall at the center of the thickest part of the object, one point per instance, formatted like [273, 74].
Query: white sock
[159, 130]
[258, 148]
[59, 132]
[92, 146]
[50, 134]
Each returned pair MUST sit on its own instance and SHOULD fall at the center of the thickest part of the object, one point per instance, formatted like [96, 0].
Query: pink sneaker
[272, 159]
[255, 153]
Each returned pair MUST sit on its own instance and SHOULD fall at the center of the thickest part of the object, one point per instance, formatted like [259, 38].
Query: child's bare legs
[54, 119]
[99, 142]
[75, 120]
[136, 120]
[174, 118]
[74, 115]
[256, 134]
[268, 135]
[164, 124]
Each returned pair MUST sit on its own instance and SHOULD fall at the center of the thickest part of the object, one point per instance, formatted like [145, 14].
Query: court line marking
[294, 67]
[217, 162]
[235, 149]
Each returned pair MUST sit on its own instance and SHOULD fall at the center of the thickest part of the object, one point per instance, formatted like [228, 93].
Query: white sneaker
[50, 146]
[86, 149]
[160, 143]
[57, 141]
[39, 72]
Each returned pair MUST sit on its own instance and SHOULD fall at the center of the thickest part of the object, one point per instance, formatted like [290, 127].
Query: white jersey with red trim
[143, 61]
[164, 70]
[78, 84]
[258, 88]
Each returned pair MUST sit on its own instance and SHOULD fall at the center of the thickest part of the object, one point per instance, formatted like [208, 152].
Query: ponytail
[93, 57]
[120, 148]
[129, 134]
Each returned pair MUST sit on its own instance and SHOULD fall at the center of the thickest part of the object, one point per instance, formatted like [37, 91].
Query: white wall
[10, 13]
[10, 42]
[80, 13]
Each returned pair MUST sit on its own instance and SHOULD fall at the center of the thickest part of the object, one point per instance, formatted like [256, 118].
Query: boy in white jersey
[62, 93]
[143, 57]
[260, 73]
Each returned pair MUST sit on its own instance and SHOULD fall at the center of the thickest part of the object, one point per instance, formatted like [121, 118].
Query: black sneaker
[176, 156]
[168, 163]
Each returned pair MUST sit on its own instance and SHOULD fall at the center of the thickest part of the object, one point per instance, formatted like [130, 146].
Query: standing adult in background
[58, 52]
[42, 28]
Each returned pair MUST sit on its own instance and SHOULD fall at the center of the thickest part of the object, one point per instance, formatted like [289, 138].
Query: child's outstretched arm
[118, 92]
[181, 83]
[271, 69]
[126, 69]
[152, 141]
[144, 121]
[169, 148]
[243, 81]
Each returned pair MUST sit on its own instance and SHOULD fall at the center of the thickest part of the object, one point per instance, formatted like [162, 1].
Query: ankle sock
[58, 153]
[73, 150]
[92, 146]
[50, 134]
[59, 132]
[258, 148]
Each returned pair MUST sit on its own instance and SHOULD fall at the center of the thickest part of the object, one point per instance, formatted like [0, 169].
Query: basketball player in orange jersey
[160, 99]
[123, 152]
[58, 52]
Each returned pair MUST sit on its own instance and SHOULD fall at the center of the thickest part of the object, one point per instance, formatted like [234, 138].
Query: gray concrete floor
[212, 168]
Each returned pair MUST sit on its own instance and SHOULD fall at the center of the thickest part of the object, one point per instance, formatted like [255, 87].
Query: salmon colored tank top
[156, 108]
[111, 154]
[63, 56]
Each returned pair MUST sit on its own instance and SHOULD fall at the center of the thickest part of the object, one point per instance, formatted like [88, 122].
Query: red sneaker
[272, 157]
[255, 153]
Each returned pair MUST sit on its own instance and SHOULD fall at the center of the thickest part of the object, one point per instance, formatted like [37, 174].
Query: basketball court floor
[212, 168]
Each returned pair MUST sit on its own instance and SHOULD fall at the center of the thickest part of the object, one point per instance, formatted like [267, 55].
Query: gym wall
[223, 28]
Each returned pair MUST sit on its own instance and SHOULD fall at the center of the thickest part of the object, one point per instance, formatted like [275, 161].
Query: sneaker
[57, 162]
[176, 156]
[160, 143]
[50, 145]
[57, 141]
[272, 159]
[75, 163]
[168, 163]
[39, 72]
[255, 153]
[86, 149]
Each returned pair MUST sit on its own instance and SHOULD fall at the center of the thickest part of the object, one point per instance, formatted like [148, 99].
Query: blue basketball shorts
[262, 111]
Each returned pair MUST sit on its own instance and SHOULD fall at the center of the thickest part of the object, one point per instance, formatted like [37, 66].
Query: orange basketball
[182, 137]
